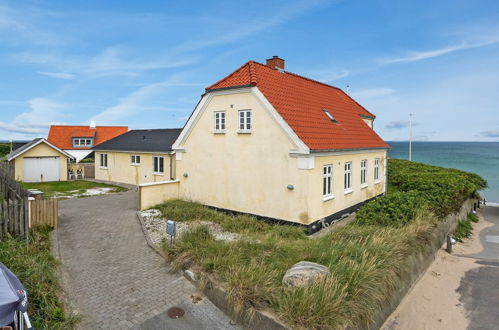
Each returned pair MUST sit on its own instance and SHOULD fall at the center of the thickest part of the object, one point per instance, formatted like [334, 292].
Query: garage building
[39, 161]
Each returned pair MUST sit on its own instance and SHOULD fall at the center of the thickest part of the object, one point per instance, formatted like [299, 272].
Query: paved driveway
[115, 279]
[479, 289]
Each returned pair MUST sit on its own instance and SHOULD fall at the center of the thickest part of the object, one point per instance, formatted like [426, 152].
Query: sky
[145, 64]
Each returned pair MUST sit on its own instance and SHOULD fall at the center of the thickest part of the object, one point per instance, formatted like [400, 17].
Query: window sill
[348, 191]
[218, 132]
[363, 186]
[377, 181]
[158, 173]
[134, 164]
[243, 132]
[103, 168]
[328, 198]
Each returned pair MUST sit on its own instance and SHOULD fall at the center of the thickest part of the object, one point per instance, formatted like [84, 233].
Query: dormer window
[83, 142]
[329, 115]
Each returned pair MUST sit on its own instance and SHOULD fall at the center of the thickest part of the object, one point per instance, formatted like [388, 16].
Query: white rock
[304, 273]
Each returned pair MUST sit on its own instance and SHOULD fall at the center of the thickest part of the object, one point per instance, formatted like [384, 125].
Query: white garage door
[41, 169]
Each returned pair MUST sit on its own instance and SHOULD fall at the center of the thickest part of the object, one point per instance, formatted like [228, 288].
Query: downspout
[171, 167]
[385, 164]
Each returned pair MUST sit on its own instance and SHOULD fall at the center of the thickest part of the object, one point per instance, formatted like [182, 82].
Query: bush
[445, 189]
[393, 210]
[415, 186]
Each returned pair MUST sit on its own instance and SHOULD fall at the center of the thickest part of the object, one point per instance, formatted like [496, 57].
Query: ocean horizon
[481, 158]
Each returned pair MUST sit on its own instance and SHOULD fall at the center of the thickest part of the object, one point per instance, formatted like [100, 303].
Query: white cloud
[240, 31]
[397, 124]
[135, 102]
[110, 62]
[43, 113]
[22, 26]
[414, 56]
[328, 75]
[372, 93]
[494, 133]
[58, 75]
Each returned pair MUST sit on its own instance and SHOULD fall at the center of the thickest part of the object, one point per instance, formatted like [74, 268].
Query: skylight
[329, 115]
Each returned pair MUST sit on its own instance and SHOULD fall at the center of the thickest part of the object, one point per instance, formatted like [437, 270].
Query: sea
[479, 157]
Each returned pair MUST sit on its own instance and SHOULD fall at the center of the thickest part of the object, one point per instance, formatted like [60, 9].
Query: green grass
[68, 188]
[464, 227]
[36, 268]
[366, 263]
[367, 258]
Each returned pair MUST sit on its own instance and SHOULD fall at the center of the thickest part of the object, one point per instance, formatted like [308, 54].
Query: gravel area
[155, 224]
[86, 193]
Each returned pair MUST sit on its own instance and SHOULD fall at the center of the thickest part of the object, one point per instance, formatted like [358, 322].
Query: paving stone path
[115, 279]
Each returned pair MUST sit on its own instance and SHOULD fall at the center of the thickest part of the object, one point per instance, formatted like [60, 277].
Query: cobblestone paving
[113, 278]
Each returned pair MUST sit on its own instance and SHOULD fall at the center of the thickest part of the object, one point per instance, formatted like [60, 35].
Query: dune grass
[366, 263]
[68, 188]
[464, 227]
[36, 268]
[367, 258]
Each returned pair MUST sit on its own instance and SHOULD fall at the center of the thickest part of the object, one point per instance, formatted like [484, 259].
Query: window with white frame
[83, 142]
[158, 165]
[219, 121]
[135, 159]
[103, 160]
[244, 120]
[363, 172]
[327, 181]
[376, 169]
[348, 176]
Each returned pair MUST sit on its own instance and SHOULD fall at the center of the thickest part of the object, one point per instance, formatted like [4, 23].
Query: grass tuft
[464, 227]
[36, 268]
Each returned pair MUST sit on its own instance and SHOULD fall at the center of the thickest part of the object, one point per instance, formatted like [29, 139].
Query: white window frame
[376, 170]
[154, 165]
[363, 173]
[220, 120]
[82, 142]
[103, 160]
[135, 160]
[244, 121]
[327, 182]
[347, 179]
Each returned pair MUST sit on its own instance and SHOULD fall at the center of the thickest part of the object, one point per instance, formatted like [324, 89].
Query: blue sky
[145, 64]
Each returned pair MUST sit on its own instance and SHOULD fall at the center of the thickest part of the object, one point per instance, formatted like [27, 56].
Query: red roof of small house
[302, 102]
[62, 135]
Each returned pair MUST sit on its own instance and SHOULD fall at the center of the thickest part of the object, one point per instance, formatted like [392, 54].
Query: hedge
[437, 189]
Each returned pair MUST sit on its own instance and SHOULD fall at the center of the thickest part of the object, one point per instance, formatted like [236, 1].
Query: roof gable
[142, 140]
[301, 102]
[30, 145]
[62, 135]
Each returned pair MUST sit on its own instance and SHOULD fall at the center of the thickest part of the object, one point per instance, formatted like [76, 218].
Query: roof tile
[300, 101]
[61, 135]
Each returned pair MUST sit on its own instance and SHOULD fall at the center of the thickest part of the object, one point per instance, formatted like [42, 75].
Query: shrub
[393, 210]
[445, 189]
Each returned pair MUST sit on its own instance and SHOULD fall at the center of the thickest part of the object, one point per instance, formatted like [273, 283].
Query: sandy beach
[433, 302]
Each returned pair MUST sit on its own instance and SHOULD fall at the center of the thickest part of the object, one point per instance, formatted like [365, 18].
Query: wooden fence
[7, 168]
[14, 213]
[43, 212]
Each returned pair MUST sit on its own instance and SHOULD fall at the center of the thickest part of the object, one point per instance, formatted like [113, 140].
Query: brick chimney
[275, 62]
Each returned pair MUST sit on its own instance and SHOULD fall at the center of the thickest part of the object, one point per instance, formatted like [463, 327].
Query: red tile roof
[301, 102]
[62, 136]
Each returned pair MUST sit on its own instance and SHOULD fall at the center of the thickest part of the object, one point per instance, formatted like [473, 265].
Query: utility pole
[410, 137]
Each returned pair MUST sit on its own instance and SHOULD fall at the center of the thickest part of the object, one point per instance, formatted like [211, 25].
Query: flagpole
[410, 137]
